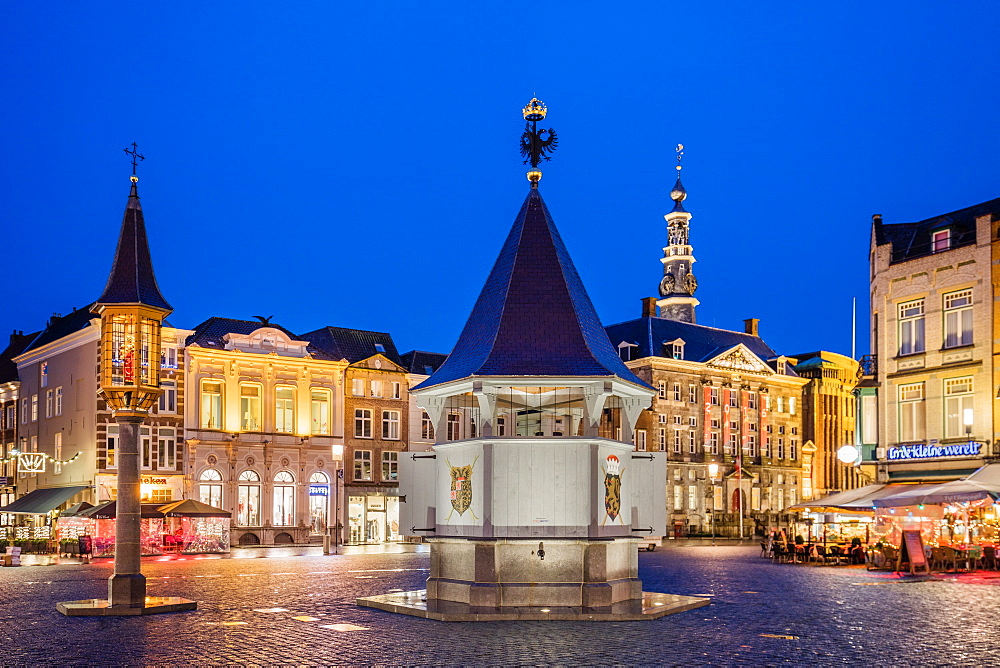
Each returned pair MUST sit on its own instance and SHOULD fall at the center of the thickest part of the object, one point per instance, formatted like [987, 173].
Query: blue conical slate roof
[132, 280]
[533, 317]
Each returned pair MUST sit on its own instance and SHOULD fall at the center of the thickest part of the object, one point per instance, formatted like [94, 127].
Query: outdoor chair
[990, 557]
[938, 559]
[834, 554]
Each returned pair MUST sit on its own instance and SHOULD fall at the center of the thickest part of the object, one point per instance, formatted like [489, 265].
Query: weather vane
[533, 146]
[136, 159]
[680, 154]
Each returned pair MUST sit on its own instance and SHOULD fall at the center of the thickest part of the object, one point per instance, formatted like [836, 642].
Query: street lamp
[967, 421]
[713, 474]
[338, 459]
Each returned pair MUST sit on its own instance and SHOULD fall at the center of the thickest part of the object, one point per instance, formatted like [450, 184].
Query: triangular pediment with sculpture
[742, 359]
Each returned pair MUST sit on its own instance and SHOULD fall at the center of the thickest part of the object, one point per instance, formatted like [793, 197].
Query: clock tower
[678, 285]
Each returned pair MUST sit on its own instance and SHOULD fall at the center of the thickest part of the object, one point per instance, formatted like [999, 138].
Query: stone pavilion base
[415, 603]
[99, 607]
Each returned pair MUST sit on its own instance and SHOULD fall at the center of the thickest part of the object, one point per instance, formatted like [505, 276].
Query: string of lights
[14, 454]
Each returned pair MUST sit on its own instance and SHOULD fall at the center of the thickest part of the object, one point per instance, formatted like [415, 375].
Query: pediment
[379, 362]
[740, 358]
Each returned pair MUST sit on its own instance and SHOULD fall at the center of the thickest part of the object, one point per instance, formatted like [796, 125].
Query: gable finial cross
[136, 156]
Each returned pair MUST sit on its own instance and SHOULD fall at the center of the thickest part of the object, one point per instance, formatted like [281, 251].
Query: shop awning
[42, 501]
[192, 508]
[109, 511]
[949, 492]
[989, 474]
[76, 509]
[858, 500]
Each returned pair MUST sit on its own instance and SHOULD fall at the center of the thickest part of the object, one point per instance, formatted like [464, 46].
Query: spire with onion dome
[678, 285]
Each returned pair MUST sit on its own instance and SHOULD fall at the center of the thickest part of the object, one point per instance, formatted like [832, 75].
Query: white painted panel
[457, 457]
[417, 481]
[648, 498]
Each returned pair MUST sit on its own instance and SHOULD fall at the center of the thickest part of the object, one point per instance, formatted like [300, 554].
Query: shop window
[957, 399]
[362, 423]
[210, 488]
[958, 319]
[319, 502]
[426, 427]
[362, 464]
[390, 425]
[248, 499]
[911, 327]
[146, 448]
[284, 410]
[161, 495]
[168, 396]
[167, 449]
[112, 442]
[211, 404]
[390, 466]
[284, 499]
[911, 412]
[250, 413]
[319, 408]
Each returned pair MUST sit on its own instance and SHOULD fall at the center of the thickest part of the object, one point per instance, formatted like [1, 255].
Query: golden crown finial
[535, 110]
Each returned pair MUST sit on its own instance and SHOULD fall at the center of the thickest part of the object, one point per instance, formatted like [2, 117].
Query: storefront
[373, 518]
[154, 488]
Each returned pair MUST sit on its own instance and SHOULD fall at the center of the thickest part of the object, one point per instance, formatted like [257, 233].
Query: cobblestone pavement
[297, 610]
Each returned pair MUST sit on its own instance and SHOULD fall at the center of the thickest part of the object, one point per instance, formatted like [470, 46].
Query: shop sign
[4, 481]
[150, 480]
[376, 503]
[922, 451]
[31, 462]
[319, 490]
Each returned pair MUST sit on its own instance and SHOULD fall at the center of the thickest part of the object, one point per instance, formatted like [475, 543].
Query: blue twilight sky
[356, 164]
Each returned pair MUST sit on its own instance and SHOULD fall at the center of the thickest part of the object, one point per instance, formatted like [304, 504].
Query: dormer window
[379, 348]
[625, 351]
[674, 349]
[940, 240]
[678, 351]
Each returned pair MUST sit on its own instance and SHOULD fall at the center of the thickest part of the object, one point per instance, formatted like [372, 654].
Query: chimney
[649, 307]
[877, 218]
[751, 326]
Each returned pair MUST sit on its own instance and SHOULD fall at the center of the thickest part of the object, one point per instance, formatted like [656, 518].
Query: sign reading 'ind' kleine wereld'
[922, 451]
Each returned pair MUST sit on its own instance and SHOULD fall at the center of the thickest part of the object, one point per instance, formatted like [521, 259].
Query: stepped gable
[533, 316]
[132, 280]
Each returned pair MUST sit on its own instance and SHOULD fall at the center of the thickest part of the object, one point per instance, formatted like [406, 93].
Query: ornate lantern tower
[533, 500]
[132, 312]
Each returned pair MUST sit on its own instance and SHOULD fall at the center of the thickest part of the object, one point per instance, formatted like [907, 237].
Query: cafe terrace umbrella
[76, 509]
[109, 511]
[858, 500]
[192, 508]
[948, 492]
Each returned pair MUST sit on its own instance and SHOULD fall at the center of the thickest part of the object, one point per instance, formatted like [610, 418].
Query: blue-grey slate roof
[701, 343]
[353, 345]
[132, 280]
[422, 362]
[210, 333]
[62, 325]
[913, 240]
[17, 345]
[533, 316]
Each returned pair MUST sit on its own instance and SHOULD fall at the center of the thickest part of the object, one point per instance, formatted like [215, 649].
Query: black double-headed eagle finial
[535, 143]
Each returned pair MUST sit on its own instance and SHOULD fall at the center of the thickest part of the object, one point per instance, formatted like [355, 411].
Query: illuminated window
[211, 404]
[320, 411]
[250, 413]
[362, 423]
[168, 357]
[34, 408]
[44, 373]
[376, 388]
[57, 452]
[390, 466]
[791, 405]
[284, 410]
[210, 488]
[24, 410]
[284, 499]
[957, 399]
[396, 390]
[940, 241]
[168, 396]
[362, 464]
[911, 327]
[911, 412]
[958, 319]
[390, 425]
[427, 427]
[49, 403]
[248, 499]
[168, 448]
[358, 387]
[112, 442]
[146, 448]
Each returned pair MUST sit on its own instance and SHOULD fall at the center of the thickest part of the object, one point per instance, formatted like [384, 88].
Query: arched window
[284, 499]
[248, 510]
[210, 488]
[319, 502]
